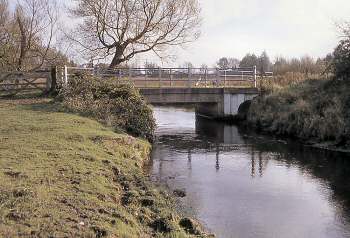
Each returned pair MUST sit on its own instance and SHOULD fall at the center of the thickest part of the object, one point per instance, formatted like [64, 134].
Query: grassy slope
[313, 110]
[62, 175]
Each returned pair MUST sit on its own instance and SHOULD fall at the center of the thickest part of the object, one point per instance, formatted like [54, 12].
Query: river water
[244, 185]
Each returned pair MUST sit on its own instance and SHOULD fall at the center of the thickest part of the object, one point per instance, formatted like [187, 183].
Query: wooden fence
[12, 83]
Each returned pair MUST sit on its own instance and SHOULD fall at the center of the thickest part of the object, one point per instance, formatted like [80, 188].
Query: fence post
[206, 77]
[189, 78]
[65, 75]
[225, 79]
[171, 77]
[218, 79]
[160, 77]
[51, 82]
[255, 76]
[146, 74]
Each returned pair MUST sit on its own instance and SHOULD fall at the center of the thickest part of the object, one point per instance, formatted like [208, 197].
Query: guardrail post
[218, 78]
[171, 77]
[255, 83]
[189, 78]
[206, 77]
[159, 77]
[225, 79]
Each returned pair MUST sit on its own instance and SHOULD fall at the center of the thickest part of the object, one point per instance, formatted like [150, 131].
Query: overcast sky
[281, 27]
[290, 28]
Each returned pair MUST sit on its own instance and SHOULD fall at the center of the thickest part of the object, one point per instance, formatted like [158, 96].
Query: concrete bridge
[216, 93]
[210, 102]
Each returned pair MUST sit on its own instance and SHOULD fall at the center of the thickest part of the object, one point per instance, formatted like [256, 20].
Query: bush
[312, 110]
[117, 105]
[341, 61]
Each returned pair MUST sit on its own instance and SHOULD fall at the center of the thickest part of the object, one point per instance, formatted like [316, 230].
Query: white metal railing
[172, 77]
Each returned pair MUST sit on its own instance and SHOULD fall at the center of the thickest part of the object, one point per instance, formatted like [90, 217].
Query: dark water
[243, 185]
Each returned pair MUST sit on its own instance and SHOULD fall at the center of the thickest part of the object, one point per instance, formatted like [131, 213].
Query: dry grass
[313, 109]
[278, 82]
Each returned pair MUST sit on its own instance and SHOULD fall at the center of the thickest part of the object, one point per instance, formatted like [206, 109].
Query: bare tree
[223, 63]
[120, 29]
[35, 22]
[7, 40]
[226, 63]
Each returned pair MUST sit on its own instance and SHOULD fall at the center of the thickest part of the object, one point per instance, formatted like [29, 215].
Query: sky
[289, 28]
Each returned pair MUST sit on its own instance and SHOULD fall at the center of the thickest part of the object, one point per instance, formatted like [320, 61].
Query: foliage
[262, 62]
[311, 110]
[117, 105]
[249, 60]
[341, 62]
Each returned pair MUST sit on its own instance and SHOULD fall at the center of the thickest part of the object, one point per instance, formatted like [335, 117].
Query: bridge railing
[173, 77]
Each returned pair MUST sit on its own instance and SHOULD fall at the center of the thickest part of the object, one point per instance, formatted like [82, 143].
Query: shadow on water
[223, 167]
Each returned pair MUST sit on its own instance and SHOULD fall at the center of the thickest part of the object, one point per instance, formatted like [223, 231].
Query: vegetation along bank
[65, 174]
[315, 110]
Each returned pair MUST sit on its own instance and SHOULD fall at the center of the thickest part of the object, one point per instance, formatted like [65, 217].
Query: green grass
[62, 175]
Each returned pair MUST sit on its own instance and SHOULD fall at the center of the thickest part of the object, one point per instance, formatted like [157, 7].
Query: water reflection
[245, 185]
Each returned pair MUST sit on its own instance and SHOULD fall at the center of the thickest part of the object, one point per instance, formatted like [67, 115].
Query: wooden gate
[12, 83]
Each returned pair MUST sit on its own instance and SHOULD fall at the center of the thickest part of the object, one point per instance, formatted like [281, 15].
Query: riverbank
[64, 175]
[315, 112]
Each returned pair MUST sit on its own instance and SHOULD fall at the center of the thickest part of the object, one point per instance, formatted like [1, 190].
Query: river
[244, 185]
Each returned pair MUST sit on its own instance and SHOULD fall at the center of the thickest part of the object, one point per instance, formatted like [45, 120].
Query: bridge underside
[211, 102]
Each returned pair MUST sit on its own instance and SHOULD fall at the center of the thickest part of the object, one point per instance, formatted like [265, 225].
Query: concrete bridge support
[210, 102]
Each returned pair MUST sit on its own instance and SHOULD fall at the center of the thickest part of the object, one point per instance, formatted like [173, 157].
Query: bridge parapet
[174, 77]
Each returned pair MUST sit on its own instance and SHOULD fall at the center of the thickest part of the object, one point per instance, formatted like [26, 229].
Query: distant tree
[152, 68]
[233, 62]
[264, 63]
[308, 65]
[295, 65]
[223, 63]
[151, 65]
[227, 63]
[187, 65]
[249, 60]
[121, 29]
[280, 66]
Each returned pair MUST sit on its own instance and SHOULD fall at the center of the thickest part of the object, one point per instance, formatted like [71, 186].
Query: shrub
[314, 109]
[117, 105]
[341, 61]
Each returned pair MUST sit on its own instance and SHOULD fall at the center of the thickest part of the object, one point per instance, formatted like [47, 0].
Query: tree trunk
[117, 58]
[23, 44]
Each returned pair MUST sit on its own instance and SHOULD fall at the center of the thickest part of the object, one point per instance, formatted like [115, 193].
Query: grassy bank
[62, 175]
[315, 111]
